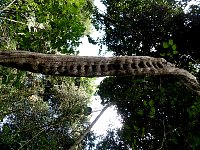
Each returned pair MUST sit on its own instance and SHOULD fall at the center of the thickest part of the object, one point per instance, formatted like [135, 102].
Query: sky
[109, 119]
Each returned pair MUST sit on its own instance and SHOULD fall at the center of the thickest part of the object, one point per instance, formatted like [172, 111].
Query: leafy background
[50, 112]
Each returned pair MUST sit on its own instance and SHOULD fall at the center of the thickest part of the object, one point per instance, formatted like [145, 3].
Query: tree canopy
[153, 28]
[44, 26]
[37, 111]
[48, 112]
[157, 112]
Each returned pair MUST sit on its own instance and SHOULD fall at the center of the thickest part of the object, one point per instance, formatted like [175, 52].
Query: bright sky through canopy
[109, 117]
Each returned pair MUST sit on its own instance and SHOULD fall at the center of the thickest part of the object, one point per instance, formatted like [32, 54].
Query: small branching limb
[31, 139]
[7, 6]
[164, 136]
[13, 21]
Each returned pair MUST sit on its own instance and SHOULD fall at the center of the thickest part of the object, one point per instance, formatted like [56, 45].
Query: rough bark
[87, 66]
[83, 65]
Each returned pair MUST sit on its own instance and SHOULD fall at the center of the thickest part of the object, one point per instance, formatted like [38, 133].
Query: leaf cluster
[154, 113]
[41, 112]
[44, 26]
[143, 27]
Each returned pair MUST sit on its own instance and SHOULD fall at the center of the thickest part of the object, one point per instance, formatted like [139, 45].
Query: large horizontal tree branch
[87, 66]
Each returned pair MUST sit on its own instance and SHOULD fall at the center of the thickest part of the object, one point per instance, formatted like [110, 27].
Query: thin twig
[13, 20]
[164, 137]
[7, 6]
[32, 138]
[36, 135]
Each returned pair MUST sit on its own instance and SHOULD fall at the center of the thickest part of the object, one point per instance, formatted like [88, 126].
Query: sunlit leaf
[145, 103]
[162, 54]
[165, 45]
[140, 112]
[175, 52]
[171, 42]
[143, 131]
[174, 47]
[151, 103]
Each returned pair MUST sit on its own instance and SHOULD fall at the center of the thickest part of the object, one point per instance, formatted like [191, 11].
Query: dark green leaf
[165, 45]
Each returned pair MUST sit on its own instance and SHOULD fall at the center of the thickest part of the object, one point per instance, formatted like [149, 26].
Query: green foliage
[171, 49]
[45, 26]
[152, 108]
[43, 112]
[41, 115]
[165, 45]
[136, 27]
[111, 141]
[151, 28]
[156, 113]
